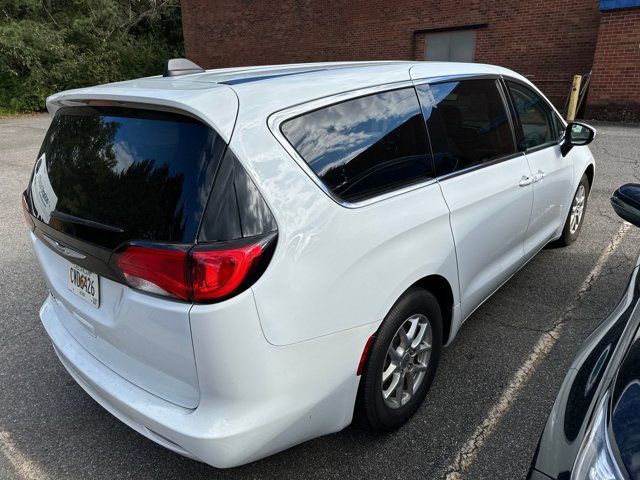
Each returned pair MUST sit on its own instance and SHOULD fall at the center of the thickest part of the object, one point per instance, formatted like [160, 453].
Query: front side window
[536, 117]
[366, 146]
[467, 122]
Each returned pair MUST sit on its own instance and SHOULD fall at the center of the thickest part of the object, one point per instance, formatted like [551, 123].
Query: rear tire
[401, 363]
[575, 219]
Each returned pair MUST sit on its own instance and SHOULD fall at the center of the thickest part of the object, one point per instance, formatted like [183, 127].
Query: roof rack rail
[180, 66]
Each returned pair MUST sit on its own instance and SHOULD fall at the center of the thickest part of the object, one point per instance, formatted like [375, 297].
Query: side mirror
[626, 203]
[577, 135]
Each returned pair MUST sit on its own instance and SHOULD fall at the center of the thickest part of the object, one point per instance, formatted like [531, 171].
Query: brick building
[547, 40]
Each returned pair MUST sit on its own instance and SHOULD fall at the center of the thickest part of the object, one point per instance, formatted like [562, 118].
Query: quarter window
[467, 122]
[536, 117]
[363, 147]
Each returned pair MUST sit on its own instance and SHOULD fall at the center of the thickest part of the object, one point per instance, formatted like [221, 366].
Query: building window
[456, 46]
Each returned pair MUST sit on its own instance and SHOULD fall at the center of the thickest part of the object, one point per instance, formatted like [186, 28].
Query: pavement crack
[548, 339]
[598, 273]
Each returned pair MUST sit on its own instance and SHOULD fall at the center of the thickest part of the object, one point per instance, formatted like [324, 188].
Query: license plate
[84, 284]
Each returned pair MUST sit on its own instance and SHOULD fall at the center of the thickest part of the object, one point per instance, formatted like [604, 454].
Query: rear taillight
[203, 273]
[156, 270]
[217, 273]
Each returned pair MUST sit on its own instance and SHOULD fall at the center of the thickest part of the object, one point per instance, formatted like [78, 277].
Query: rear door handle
[525, 181]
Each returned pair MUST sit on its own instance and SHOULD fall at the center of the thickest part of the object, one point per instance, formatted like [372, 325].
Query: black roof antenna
[180, 66]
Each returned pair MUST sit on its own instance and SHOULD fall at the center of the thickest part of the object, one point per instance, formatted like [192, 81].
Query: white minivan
[243, 259]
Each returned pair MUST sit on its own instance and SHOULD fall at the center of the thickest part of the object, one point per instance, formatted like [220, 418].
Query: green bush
[47, 46]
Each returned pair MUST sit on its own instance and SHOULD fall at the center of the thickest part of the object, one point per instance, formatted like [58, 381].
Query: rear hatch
[107, 175]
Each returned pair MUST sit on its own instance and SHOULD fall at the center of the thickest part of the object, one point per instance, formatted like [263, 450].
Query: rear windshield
[114, 174]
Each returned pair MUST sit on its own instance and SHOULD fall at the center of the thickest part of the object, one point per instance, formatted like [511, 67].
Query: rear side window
[363, 147]
[108, 175]
[468, 123]
[536, 117]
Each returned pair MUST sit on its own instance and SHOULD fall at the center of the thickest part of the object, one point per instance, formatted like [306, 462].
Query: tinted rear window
[137, 174]
[363, 147]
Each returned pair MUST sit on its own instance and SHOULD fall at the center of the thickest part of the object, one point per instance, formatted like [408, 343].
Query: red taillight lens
[155, 270]
[217, 273]
[203, 273]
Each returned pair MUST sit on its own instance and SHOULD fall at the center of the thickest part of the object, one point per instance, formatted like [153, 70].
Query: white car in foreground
[244, 259]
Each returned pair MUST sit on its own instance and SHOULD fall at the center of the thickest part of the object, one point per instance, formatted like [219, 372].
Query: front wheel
[402, 362]
[575, 219]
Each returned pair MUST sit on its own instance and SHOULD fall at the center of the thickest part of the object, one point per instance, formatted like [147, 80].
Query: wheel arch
[441, 289]
[590, 173]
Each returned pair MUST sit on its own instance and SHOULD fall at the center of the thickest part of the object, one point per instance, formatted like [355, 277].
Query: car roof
[271, 88]
[356, 71]
[239, 75]
[298, 83]
[264, 90]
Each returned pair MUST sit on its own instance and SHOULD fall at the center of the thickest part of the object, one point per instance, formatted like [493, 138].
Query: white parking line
[24, 467]
[469, 451]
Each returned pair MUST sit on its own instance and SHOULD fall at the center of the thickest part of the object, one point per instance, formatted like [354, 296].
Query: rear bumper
[256, 398]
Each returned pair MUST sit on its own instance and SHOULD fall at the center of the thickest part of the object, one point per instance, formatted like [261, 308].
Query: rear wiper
[65, 217]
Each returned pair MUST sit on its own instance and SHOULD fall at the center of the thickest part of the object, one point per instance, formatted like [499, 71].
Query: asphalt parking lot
[482, 419]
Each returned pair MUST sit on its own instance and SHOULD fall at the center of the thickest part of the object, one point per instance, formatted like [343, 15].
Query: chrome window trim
[276, 119]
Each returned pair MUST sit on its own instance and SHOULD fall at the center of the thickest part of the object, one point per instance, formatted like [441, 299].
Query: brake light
[202, 273]
[217, 273]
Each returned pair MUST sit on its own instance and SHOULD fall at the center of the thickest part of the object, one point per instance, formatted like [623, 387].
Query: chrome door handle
[538, 176]
[525, 181]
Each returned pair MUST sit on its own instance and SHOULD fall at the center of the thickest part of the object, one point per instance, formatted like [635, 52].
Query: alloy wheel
[407, 360]
[577, 209]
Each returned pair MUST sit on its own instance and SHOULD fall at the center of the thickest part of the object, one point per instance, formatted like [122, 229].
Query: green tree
[47, 46]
